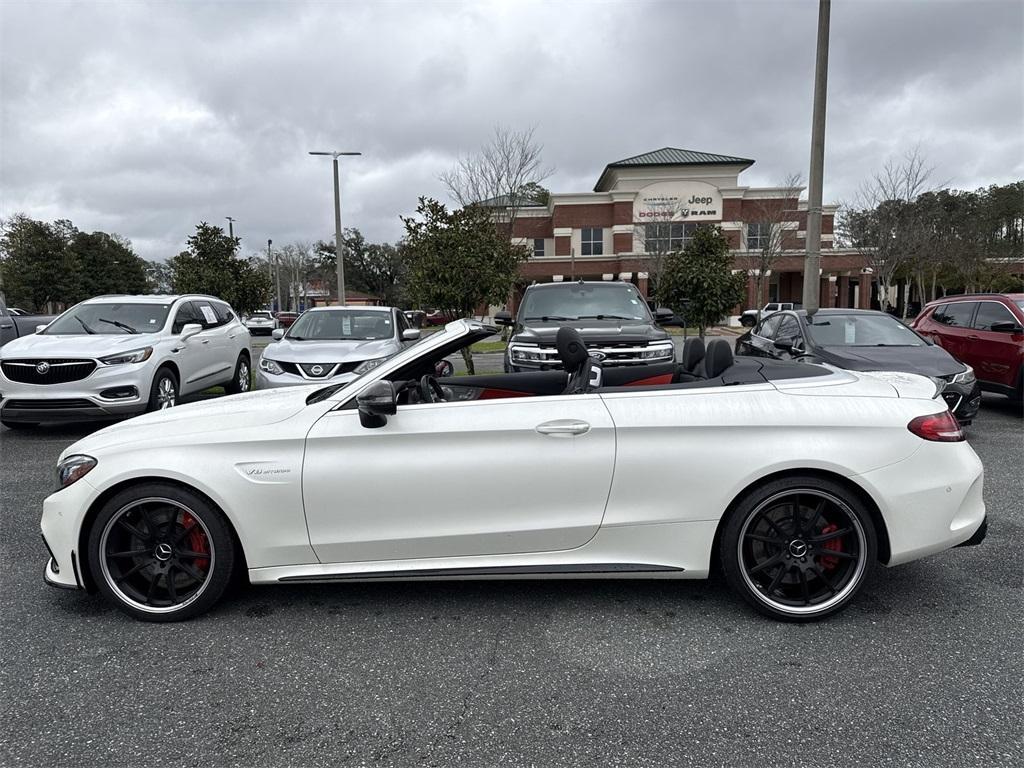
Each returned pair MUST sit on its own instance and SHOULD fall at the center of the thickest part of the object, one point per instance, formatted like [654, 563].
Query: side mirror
[376, 403]
[277, 334]
[410, 334]
[1007, 326]
[190, 330]
[40, 328]
[504, 317]
[664, 316]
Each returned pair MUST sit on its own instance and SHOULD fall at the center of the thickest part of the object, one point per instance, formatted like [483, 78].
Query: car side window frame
[977, 314]
[789, 320]
[970, 320]
[188, 309]
[207, 326]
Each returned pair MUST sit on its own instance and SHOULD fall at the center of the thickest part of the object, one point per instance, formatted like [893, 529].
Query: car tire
[161, 553]
[798, 548]
[20, 424]
[241, 380]
[165, 391]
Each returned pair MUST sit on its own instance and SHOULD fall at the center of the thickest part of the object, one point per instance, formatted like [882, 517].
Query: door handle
[563, 428]
[206, 341]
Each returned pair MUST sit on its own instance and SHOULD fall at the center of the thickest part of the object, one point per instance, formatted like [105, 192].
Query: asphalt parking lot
[925, 669]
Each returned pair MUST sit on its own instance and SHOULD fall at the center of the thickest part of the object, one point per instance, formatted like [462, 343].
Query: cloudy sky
[146, 118]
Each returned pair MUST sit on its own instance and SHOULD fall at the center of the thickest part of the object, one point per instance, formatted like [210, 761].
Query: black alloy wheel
[799, 549]
[160, 553]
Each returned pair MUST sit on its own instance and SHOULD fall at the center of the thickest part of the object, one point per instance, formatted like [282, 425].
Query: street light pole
[337, 222]
[231, 228]
[812, 263]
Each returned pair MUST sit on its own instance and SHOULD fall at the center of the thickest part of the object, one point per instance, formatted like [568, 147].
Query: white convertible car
[623, 473]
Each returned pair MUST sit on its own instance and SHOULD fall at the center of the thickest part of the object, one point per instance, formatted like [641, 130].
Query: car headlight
[660, 352]
[369, 365]
[965, 377]
[270, 366]
[527, 355]
[135, 356]
[73, 469]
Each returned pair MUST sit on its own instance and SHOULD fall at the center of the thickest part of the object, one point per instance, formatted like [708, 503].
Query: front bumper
[63, 512]
[963, 400]
[81, 400]
[266, 380]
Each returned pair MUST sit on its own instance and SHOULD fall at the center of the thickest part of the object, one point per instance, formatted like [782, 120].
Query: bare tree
[659, 236]
[296, 261]
[505, 174]
[764, 220]
[881, 222]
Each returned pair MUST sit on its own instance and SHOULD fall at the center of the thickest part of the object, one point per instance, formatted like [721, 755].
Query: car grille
[56, 371]
[48, 404]
[316, 370]
[624, 353]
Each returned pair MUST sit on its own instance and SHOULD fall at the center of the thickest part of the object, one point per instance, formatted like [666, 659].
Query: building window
[592, 241]
[665, 237]
[758, 235]
[538, 247]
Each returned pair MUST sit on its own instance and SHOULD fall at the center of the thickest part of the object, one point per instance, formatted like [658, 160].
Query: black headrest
[693, 353]
[718, 358]
[571, 349]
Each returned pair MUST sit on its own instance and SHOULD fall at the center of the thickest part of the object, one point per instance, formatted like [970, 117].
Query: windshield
[614, 301]
[862, 331]
[342, 324]
[110, 319]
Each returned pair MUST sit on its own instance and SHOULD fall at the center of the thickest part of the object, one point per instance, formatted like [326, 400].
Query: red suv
[984, 330]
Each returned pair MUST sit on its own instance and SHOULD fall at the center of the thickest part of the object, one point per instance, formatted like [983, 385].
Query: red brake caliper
[197, 540]
[830, 563]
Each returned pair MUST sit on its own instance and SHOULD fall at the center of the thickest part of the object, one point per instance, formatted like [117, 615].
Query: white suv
[121, 355]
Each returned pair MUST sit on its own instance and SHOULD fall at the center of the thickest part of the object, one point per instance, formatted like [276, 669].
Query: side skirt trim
[508, 570]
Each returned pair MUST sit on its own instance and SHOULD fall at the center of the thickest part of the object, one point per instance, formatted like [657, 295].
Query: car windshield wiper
[83, 324]
[122, 326]
[546, 318]
[607, 317]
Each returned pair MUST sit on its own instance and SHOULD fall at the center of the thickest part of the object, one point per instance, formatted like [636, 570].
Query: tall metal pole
[812, 263]
[231, 227]
[337, 236]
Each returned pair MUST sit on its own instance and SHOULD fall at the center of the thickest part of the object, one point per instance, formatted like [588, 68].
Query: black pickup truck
[612, 317]
[13, 326]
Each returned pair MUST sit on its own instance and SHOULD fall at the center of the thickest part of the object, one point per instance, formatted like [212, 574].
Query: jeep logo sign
[678, 201]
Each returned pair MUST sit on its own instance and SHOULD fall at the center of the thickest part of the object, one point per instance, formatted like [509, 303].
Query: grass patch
[483, 347]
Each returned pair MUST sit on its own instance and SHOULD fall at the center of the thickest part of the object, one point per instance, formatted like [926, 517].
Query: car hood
[926, 361]
[329, 351]
[592, 331]
[96, 345]
[217, 415]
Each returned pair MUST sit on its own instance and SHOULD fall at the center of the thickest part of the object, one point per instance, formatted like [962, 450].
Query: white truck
[749, 318]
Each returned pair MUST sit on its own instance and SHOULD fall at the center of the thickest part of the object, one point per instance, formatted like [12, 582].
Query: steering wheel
[430, 390]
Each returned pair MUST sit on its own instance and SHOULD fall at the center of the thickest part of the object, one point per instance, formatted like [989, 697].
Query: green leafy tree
[458, 260]
[373, 268]
[211, 266]
[105, 264]
[159, 277]
[37, 263]
[698, 282]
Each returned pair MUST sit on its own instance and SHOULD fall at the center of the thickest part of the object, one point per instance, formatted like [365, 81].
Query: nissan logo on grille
[317, 370]
[42, 367]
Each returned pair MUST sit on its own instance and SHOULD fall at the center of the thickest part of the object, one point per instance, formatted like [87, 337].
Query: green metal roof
[672, 156]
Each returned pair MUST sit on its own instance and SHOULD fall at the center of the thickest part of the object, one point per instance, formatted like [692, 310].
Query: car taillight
[938, 427]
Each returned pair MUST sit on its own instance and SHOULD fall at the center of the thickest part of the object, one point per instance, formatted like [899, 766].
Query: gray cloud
[146, 118]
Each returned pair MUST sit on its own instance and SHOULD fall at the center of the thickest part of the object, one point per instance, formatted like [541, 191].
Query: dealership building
[647, 205]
